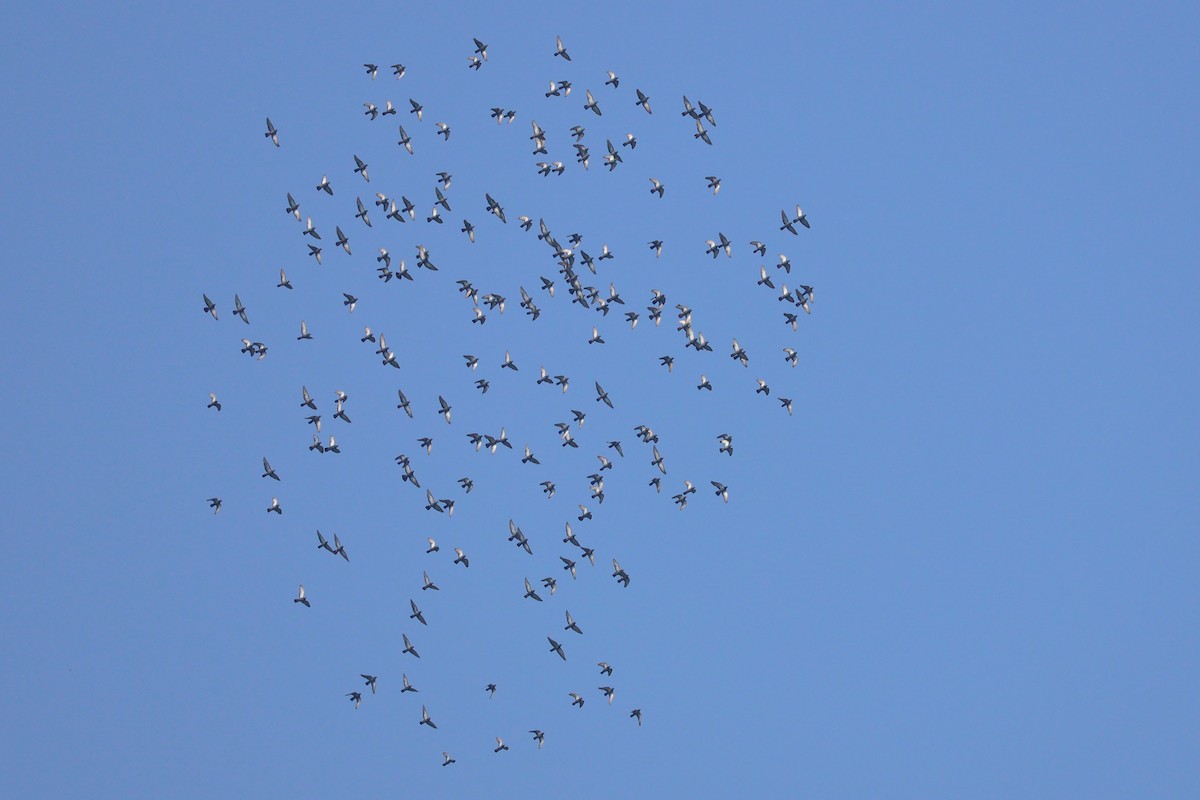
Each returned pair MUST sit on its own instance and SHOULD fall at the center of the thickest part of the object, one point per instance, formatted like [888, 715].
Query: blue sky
[964, 567]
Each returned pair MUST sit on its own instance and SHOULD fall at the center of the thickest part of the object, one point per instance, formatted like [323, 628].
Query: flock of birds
[570, 260]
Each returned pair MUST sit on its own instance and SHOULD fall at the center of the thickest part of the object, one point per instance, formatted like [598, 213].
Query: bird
[304, 334]
[443, 130]
[704, 383]
[801, 217]
[268, 470]
[481, 49]
[621, 575]
[417, 108]
[325, 186]
[591, 104]
[643, 101]
[531, 593]
[555, 647]
[446, 759]
[405, 142]
[763, 388]
[302, 598]
[786, 402]
[500, 745]
[215, 504]
[417, 614]
[462, 557]
[637, 713]
[433, 546]
[608, 692]
[605, 669]
[658, 188]
[548, 488]
[408, 648]
[284, 283]
[278, 509]
[408, 687]
[271, 133]
[601, 396]
[370, 679]
[425, 720]
[714, 183]
[372, 70]
[630, 142]
[722, 490]
[571, 626]
[356, 698]
[429, 584]
[538, 737]
[701, 134]
[613, 80]
[491, 690]
[444, 408]
[360, 166]
[790, 356]
[213, 402]
[240, 310]
[576, 700]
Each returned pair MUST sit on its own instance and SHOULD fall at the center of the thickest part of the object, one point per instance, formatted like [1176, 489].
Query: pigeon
[613, 80]
[408, 687]
[271, 133]
[302, 598]
[425, 720]
[417, 108]
[278, 509]
[555, 647]
[643, 101]
[356, 698]
[576, 700]
[416, 612]
[601, 396]
[500, 745]
[268, 470]
[293, 207]
[370, 679]
[284, 283]
[433, 546]
[801, 218]
[324, 185]
[591, 104]
[215, 504]
[240, 310]
[658, 189]
[462, 557]
[714, 183]
[213, 402]
[762, 387]
[605, 669]
[408, 648]
[701, 133]
[608, 692]
[538, 737]
[621, 575]
[571, 626]
[481, 49]
[491, 690]
[531, 593]
[446, 759]
[360, 167]
[559, 50]
[443, 130]
[429, 584]
[637, 713]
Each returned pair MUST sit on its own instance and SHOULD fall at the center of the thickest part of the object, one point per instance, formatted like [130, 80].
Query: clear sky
[965, 567]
